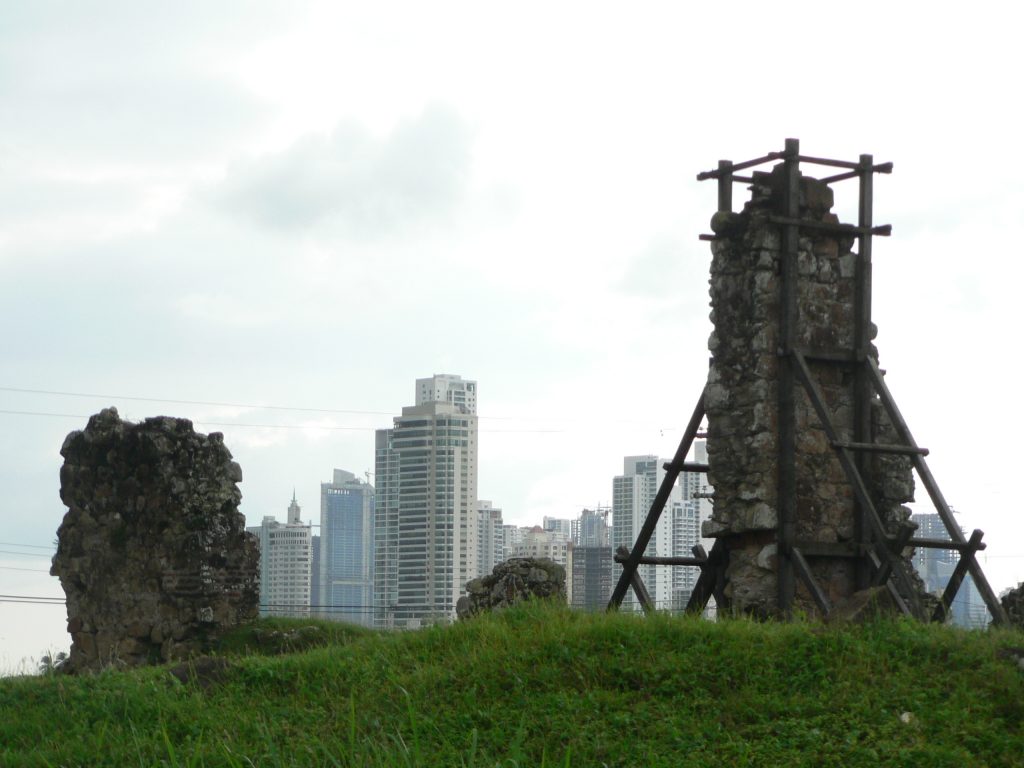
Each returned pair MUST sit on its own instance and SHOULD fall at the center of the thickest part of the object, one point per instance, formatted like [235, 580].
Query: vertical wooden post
[725, 185]
[786, 380]
[863, 390]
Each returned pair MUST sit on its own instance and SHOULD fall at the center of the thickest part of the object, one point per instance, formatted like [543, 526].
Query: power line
[37, 413]
[191, 402]
[251, 406]
[21, 554]
[32, 597]
[26, 546]
[332, 427]
[32, 570]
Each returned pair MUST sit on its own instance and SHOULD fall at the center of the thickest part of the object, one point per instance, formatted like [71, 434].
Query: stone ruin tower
[152, 554]
[810, 459]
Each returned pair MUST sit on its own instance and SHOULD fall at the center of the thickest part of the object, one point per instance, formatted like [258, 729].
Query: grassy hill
[544, 686]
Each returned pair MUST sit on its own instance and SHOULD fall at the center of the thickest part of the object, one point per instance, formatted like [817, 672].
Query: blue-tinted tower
[346, 549]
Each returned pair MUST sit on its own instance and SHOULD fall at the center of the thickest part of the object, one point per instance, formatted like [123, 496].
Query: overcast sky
[310, 205]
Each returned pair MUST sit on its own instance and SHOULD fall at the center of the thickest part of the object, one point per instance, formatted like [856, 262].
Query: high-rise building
[590, 529]
[687, 515]
[315, 599]
[593, 569]
[678, 528]
[592, 577]
[935, 566]
[694, 487]
[537, 542]
[285, 564]
[632, 495]
[445, 388]
[347, 510]
[427, 522]
[511, 536]
[490, 540]
[559, 526]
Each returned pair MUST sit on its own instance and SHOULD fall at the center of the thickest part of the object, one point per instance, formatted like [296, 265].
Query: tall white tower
[446, 388]
[687, 518]
[285, 564]
[678, 529]
[633, 493]
[426, 525]
[489, 536]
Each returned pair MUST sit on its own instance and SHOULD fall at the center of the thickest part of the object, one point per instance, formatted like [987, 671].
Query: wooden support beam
[957, 577]
[882, 448]
[945, 513]
[945, 544]
[876, 561]
[862, 327]
[786, 402]
[863, 498]
[843, 549]
[686, 466]
[657, 506]
[709, 583]
[639, 588]
[899, 543]
[803, 570]
[622, 556]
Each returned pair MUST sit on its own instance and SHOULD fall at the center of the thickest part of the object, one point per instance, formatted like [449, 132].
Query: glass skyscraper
[347, 508]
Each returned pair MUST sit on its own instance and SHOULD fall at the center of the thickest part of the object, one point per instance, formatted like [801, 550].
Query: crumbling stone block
[1013, 604]
[513, 581]
[152, 554]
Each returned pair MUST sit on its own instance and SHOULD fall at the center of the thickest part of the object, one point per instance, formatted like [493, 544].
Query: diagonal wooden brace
[657, 507]
[895, 565]
[957, 577]
[712, 577]
[639, 589]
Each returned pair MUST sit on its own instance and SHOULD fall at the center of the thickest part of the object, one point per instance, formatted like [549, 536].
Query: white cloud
[348, 181]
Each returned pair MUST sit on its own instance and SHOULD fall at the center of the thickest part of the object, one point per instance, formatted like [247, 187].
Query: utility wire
[26, 546]
[22, 554]
[331, 427]
[191, 402]
[33, 597]
[32, 570]
[219, 404]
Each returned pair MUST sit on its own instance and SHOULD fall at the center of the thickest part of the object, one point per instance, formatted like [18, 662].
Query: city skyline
[401, 560]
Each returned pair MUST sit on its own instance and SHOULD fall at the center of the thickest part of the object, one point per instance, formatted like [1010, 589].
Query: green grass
[540, 686]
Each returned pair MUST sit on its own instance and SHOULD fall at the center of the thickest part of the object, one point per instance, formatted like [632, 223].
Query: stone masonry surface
[152, 554]
[1013, 604]
[515, 580]
[741, 398]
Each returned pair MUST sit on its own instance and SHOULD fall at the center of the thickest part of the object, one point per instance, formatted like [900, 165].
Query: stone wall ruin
[152, 554]
[1013, 603]
[513, 581]
[741, 399]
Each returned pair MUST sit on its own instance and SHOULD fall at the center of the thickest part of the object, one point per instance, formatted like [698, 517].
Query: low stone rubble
[1013, 604]
[513, 581]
